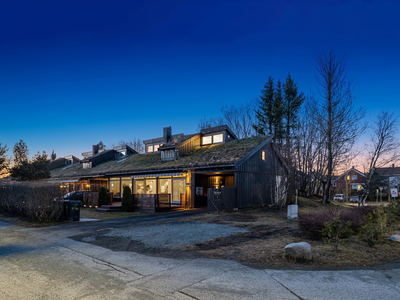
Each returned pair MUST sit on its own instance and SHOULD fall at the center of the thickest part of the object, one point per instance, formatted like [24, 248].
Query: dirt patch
[262, 246]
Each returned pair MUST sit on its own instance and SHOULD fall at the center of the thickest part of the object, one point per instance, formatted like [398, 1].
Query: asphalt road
[43, 263]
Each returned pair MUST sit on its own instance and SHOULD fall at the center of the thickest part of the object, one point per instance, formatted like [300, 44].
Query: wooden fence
[221, 199]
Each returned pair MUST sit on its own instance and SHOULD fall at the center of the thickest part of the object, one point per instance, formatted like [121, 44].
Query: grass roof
[214, 155]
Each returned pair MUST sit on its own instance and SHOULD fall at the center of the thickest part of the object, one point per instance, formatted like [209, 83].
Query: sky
[73, 73]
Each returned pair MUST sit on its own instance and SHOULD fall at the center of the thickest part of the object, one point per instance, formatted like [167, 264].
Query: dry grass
[91, 213]
[270, 232]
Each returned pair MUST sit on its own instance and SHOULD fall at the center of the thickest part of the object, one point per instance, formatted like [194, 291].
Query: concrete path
[45, 264]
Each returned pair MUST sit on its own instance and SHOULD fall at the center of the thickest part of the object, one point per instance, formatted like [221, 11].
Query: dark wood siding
[255, 178]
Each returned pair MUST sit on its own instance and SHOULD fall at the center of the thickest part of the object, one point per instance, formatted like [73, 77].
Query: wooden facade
[256, 176]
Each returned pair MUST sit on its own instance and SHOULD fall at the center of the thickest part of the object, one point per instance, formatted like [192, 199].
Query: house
[389, 173]
[348, 182]
[62, 161]
[189, 168]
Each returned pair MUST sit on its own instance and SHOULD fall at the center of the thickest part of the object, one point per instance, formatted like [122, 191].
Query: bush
[336, 230]
[374, 227]
[311, 225]
[102, 197]
[34, 200]
[356, 216]
[127, 199]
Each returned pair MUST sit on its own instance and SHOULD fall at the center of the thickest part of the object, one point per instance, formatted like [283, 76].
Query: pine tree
[278, 109]
[265, 114]
[20, 152]
[292, 102]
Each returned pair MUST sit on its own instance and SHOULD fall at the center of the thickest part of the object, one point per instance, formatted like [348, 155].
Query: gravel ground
[172, 234]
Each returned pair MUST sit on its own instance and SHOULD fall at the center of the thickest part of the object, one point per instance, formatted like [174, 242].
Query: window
[139, 186]
[150, 148]
[151, 185]
[164, 186]
[218, 138]
[263, 155]
[207, 140]
[115, 187]
[354, 177]
[126, 181]
[156, 147]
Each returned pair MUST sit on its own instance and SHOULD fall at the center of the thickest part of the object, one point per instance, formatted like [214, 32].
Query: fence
[221, 199]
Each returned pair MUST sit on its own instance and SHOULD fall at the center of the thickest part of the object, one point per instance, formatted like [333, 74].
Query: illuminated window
[207, 140]
[150, 148]
[218, 138]
[263, 155]
[156, 147]
[139, 187]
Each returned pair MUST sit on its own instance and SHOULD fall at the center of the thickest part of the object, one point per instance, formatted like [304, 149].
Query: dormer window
[218, 138]
[213, 139]
[207, 140]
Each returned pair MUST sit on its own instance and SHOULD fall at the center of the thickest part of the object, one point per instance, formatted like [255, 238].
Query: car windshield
[338, 195]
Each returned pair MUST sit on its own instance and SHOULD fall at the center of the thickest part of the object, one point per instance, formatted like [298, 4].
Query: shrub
[336, 230]
[392, 215]
[374, 227]
[34, 200]
[102, 197]
[311, 225]
[356, 216]
[127, 199]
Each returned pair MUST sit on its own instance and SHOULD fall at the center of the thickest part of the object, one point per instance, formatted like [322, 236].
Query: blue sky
[73, 73]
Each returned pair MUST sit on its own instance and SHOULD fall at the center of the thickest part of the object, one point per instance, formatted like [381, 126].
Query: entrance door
[178, 188]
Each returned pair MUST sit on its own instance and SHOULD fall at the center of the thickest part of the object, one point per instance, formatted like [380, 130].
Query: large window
[115, 187]
[178, 188]
[126, 181]
[151, 186]
[164, 186]
[139, 187]
[153, 148]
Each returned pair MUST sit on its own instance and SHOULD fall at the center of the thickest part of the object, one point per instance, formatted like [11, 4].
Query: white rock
[299, 250]
[395, 238]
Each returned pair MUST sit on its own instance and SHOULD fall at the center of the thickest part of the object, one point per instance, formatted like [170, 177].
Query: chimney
[95, 149]
[53, 156]
[392, 165]
[167, 134]
[353, 167]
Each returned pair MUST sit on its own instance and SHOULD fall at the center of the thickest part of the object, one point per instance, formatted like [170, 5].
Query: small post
[297, 193]
[377, 193]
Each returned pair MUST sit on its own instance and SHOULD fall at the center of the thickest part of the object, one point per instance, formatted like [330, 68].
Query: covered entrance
[207, 180]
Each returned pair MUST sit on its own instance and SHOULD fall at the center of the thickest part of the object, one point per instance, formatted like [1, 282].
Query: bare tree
[209, 122]
[135, 144]
[334, 113]
[241, 118]
[383, 149]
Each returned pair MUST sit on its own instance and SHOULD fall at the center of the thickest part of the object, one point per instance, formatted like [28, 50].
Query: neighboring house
[62, 161]
[389, 172]
[187, 166]
[350, 180]
[99, 157]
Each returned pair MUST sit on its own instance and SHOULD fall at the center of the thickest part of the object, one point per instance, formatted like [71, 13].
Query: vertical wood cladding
[255, 177]
[189, 145]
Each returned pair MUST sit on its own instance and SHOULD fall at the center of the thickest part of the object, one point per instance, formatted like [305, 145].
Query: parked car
[76, 195]
[354, 199]
[339, 197]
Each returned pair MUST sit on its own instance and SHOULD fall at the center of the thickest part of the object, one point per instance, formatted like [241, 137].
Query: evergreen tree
[278, 110]
[20, 152]
[292, 102]
[41, 165]
[4, 161]
[265, 114]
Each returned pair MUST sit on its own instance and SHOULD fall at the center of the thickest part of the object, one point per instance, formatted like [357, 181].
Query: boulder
[299, 250]
[395, 238]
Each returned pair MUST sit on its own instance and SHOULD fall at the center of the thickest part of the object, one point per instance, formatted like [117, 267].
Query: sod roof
[214, 155]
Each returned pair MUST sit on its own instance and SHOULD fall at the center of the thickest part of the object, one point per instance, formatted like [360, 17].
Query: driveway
[45, 263]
